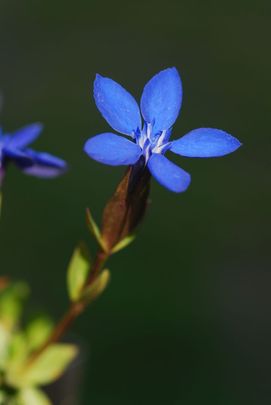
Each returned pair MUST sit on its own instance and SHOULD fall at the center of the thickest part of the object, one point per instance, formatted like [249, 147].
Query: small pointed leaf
[123, 243]
[11, 303]
[78, 270]
[49, 366]
[94, 229]
[32, 396]
[38, 331]
[97, 287]
[17, 352]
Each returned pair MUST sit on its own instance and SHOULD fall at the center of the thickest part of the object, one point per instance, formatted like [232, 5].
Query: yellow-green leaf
[48, 367]
[17, 353]
[3, 397]
[94, 229]
[123, 243]
[32, 396]
[97, 287]
[11, 303]
[38, 331]
[78, 270]
[5, 336]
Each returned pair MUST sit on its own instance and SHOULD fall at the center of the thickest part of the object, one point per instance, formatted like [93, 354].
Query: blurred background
[187, 317]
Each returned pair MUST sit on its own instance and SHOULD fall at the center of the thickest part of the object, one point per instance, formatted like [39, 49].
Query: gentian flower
[160, 106]
[14, 149]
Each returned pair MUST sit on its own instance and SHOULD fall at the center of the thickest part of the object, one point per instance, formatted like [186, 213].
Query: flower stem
[75, 309]
[122, 214]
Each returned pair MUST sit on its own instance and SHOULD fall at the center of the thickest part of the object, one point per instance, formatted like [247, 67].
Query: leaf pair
[78, 271]
[48, 367]
[95, 231]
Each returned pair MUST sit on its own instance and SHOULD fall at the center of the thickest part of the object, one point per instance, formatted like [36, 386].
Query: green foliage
[47, 367]
[3, 397]
[78, 271]
[38, 331]
[11, 304]
[123, 243]
[17, 356]
[97, 287]
[4, 345]
[32, 396]
[19, 376]
[94, 230]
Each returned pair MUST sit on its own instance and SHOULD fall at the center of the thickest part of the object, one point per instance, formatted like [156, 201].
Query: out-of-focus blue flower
[14, 149]
[160, 106]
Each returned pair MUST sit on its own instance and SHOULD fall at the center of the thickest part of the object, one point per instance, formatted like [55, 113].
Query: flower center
[151, 142]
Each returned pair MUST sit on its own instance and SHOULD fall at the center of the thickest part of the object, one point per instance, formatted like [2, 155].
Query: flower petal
[168, 174]
[18, 157]
[117, 106]
[204, 143]
[25, 135]
[161, 99]
[45, 165]
[45, 172]
[112, 149]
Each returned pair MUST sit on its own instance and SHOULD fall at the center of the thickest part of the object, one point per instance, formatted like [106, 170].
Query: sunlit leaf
[123, 243]
[32, 396]
[38, 331]
[49, 366]
[17, 356]
[11, 302]
[97, 287]
[78, 271]
[3, 397]
[4, 346]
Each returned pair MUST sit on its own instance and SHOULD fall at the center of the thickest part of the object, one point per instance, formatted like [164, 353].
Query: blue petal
[204, 143]
[168, 174]
[113, 150]
[43, 171]
[26, 135]
[45, 165]
[117, 106]
[161, 99]
[18, 157]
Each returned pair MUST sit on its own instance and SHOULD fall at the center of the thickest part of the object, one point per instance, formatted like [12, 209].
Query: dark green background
[187, 317]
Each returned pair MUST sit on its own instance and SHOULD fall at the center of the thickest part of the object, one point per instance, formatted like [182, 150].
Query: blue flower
[14, 149]
[160, 106]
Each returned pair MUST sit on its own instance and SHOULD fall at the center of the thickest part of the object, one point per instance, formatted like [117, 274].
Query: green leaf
[94, 229]
[4, 346]
[32, 396]
[78, 270]
[49, 366]
[38, 331]
[97, 287]
[11, 303]
[123, 243]
[3, 397]
[17, 353]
